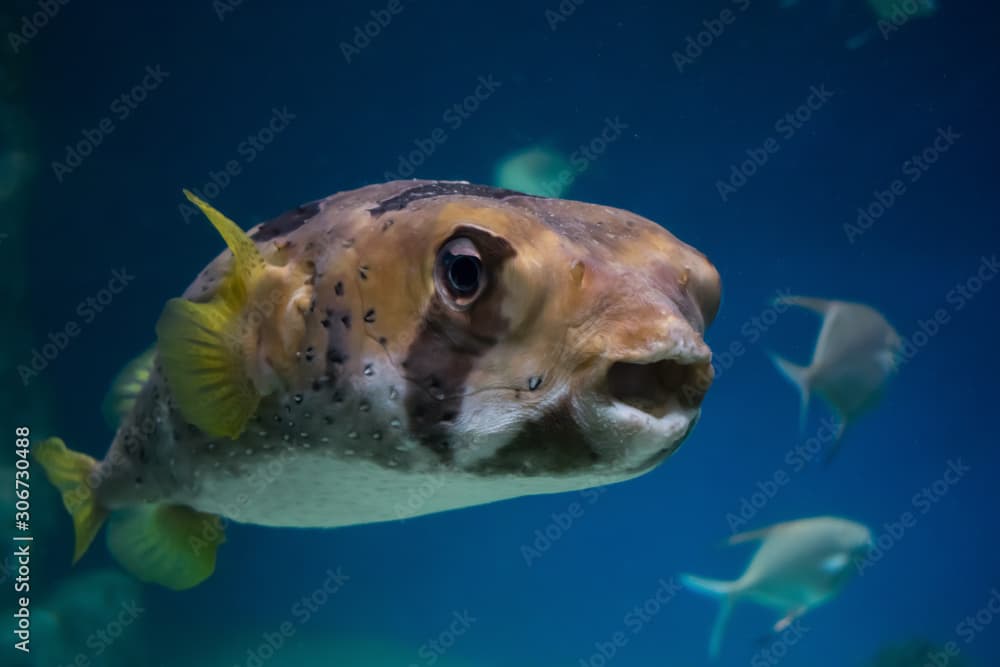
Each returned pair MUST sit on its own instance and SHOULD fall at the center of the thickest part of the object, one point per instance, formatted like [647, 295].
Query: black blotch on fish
[446, 348]
[287, 222]
[346, 321]
[370, 316]
[338, 289]
[440, 189]
[553, 443]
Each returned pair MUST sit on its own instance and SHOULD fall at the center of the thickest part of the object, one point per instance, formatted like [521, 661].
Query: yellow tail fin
[70, 472]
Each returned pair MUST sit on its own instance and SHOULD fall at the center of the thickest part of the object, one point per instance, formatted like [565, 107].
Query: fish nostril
[657, 387]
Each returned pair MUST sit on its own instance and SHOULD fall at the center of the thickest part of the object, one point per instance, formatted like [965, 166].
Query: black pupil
[463, 273]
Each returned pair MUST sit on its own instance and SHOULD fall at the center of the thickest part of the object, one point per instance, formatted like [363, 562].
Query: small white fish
[798, 566]
[856, 354]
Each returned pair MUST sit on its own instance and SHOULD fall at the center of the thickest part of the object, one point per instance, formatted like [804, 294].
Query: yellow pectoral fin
[202, 345]
[201, 350]
[170, 545]
[70, 472]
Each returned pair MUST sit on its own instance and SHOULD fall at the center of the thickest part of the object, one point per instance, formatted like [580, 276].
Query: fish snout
[648, 389]
[654, 359]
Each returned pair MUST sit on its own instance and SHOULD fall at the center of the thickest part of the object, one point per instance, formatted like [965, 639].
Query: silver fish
[856, 354]
[798, 566]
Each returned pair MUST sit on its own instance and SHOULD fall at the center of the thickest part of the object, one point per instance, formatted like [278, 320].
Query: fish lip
[650, 439]
[649, 422]
[687, 351]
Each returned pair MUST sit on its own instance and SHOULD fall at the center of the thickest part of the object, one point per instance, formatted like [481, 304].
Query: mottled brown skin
[358, 328]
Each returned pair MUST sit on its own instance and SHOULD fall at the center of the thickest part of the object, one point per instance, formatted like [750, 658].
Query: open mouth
[659, 387]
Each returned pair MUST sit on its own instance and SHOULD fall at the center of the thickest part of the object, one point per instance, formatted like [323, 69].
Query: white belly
[313, 489]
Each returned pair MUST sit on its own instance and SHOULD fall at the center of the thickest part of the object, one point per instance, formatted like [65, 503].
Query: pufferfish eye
[459, 273]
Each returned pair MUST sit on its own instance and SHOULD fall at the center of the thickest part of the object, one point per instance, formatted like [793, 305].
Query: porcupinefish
[798, 566]
[856, 354]
[415, 334]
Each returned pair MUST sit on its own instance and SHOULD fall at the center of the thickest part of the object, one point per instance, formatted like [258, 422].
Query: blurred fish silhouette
[798, 566]
[856, 354]
[94, 615]
[889, 16]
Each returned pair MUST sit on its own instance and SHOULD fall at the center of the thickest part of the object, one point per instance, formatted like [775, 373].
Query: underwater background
[755, 136]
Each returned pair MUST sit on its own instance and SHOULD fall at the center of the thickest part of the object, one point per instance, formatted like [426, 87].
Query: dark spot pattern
[287, 222]
[441, 189]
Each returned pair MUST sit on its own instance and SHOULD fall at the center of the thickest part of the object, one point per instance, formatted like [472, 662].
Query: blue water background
[783, 230]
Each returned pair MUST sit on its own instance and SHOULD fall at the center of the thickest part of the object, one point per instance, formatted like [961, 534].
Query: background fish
[799, 565]
[856, 354]
[487, 342]
[68, 619]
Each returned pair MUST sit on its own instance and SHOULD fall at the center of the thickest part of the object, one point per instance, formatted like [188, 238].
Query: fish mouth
[677, 378]
[651, 406]
[658, 387]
